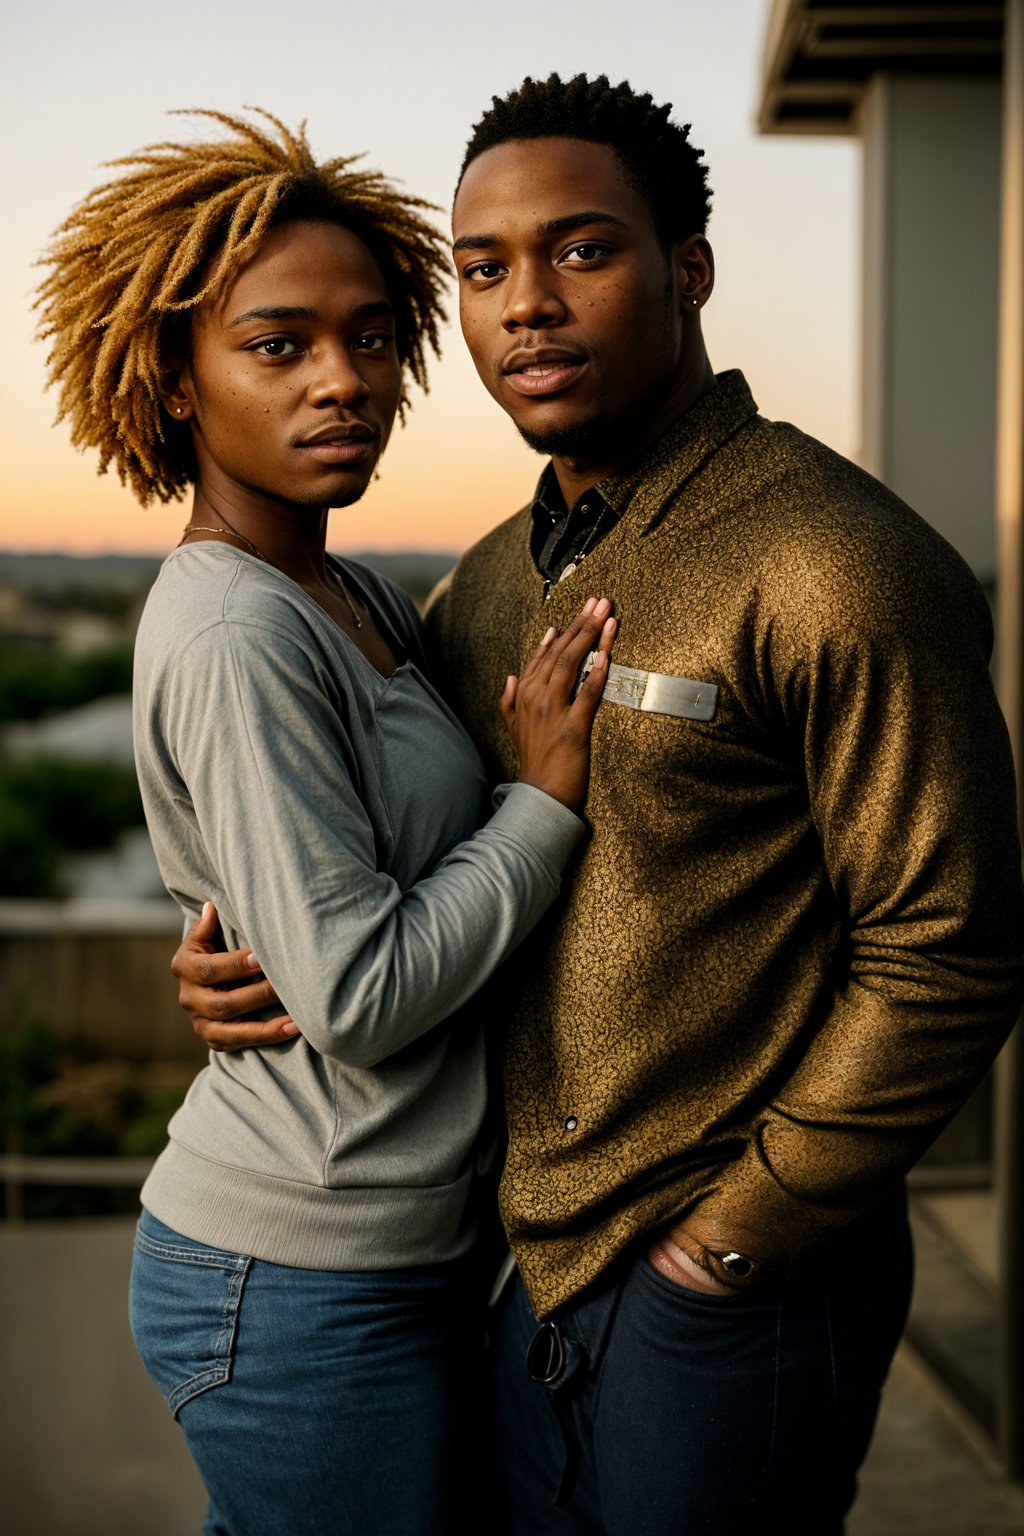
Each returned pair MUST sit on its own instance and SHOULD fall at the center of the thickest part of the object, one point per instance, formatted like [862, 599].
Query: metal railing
[17, 1172]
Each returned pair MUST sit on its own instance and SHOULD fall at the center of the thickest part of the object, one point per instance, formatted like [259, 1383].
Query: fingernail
[549, 635]
[590, 605]
[600, 660]
[207, 905]
[289, 1029]
[602, 607]
[252, 962]
[609, 625]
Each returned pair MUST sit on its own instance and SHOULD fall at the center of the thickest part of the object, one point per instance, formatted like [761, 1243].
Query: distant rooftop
[818, 57]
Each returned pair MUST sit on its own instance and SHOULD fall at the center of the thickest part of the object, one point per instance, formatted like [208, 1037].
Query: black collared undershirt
[563, 536]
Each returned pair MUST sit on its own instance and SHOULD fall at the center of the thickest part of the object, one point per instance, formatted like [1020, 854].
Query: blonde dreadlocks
[142, 251]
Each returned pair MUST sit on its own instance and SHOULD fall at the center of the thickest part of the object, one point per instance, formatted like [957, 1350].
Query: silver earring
[693, 301]
[178, 407]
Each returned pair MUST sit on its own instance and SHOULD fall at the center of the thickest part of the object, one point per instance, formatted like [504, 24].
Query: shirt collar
[549, 504]
[670, 461]
[656, 476]
[680, 451]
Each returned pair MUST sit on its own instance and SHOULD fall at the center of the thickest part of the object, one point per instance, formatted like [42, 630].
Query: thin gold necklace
[208, 528]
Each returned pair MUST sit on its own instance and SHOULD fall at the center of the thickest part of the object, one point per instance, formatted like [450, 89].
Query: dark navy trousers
[676, 1412]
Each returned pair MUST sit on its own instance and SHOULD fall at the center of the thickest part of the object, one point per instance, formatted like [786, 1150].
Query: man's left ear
[695, 266]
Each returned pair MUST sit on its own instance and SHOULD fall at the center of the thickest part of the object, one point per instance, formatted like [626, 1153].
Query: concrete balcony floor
[88, 1449]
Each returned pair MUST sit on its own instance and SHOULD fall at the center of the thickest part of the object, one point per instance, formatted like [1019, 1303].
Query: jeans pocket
[732, 1308]
[184, 1304]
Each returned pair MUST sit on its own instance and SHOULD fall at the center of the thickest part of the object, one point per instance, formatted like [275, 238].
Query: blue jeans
[313, 1403]
[695, 1415]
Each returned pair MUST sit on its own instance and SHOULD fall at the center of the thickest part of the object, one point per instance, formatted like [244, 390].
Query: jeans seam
[831, 1345]
[215, 1376]
[223, 1347]
[776, 1372]
[214, 1258]
[224, 1342]
[605, 1347]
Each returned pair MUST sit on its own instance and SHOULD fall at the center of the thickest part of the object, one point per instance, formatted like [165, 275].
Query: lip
[338, 443]
[338, 432]
[542, 370]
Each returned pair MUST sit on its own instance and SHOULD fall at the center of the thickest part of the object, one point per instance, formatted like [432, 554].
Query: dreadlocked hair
[140, 252]
[655, 153]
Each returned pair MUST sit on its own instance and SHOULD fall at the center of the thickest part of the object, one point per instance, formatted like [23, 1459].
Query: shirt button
[571, 1123]
[585, 507]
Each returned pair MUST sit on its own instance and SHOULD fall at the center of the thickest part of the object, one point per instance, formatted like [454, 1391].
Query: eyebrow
[560, 226]
[366, 311]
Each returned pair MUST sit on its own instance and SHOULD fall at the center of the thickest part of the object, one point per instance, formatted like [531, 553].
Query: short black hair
[656, 153]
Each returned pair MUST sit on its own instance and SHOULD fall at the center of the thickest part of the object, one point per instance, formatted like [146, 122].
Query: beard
[598, 439]
[584, 440]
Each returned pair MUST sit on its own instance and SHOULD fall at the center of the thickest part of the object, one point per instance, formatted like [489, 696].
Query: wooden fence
[97, 973]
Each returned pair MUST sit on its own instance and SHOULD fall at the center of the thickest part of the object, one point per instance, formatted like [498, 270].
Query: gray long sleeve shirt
[331, 813]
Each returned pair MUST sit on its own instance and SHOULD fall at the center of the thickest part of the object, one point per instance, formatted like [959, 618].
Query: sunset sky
[404, 82]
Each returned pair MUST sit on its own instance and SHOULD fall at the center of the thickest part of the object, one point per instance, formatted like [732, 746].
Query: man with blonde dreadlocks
[804, 871]
[235, 319]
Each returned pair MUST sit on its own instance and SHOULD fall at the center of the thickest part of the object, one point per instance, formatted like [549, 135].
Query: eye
[274, 346]
[584, 253]
[482, 271]
[375, 341]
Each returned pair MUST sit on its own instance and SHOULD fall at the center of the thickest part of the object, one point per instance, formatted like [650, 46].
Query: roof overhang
[818, 58]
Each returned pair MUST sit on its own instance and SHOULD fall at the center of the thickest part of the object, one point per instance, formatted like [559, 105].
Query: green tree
[49, 807]
[35, 683]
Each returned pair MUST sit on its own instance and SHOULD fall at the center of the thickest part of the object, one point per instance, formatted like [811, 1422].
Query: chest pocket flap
[657, 693]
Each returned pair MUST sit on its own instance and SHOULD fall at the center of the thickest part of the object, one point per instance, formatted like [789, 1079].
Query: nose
[532, 299]
[337, 378]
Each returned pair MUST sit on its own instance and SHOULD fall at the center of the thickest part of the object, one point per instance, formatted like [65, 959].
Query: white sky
[89, 79]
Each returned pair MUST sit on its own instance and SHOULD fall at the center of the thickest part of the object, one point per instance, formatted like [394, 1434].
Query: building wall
[931, 242]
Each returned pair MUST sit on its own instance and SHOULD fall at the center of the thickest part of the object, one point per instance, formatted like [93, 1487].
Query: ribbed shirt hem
[308, 1226]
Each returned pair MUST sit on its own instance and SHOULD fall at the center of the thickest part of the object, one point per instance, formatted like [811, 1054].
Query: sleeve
[257, 728]
[884, 687]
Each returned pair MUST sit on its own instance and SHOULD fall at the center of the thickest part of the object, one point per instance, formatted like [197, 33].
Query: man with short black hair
[794, 942]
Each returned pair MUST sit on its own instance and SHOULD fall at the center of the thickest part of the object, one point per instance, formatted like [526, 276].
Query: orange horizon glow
[784, 225]
[456, 470]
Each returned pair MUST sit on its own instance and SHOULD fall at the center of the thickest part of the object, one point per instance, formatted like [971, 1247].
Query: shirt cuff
[539, 821]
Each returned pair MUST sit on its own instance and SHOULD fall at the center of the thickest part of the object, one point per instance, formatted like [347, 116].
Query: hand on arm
[218, 991]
